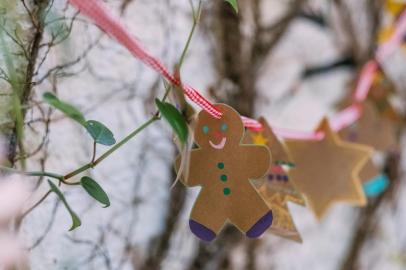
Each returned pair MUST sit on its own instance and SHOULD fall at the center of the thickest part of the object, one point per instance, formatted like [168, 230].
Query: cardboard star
[382, 90]
[372, 129]
[327, 171]
[283, 224]
[277, 189]
[380, 94]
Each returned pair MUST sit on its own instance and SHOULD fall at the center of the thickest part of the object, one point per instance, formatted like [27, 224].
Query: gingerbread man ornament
[223, 167]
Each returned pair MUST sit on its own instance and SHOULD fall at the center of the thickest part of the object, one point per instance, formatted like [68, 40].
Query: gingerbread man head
[219, 133]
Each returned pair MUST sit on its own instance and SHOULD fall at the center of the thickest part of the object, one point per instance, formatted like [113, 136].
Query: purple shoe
[201, 231]
[261, 226]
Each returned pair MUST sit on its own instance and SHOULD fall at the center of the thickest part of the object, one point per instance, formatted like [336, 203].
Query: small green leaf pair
[174, 118]
[99, 132]
[92, 188]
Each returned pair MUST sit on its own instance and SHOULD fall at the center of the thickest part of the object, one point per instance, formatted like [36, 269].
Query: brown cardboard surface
[277, 189]
[327, 171]
[379, 96]
[372, 129]
[369, 171]
[283, 224]
[222, 166]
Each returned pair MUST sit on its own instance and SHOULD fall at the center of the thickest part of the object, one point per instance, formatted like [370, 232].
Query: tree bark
[161, 243]
[32, 48]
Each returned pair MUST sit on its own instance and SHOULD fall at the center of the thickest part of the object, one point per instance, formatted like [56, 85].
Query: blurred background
[291, 61]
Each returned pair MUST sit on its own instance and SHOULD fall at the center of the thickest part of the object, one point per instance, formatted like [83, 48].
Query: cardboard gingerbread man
[222, 166]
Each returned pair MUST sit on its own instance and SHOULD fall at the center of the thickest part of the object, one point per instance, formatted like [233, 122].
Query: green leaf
[174, 118]
[234, 4]
[64, 107]
[100, 133]
[95, 190]
[75, 219]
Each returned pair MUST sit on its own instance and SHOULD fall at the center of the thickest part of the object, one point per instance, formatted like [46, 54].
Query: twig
[367, 222]
[23, 215]
[94, 152]
[196, 18]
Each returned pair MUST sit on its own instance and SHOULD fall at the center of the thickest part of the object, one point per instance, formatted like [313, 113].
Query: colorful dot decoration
[227, 191]
[223, 177]
[220, 165]
[278, 177]
[287, 163]
[376, 185]
[224, 127]
[205, 129]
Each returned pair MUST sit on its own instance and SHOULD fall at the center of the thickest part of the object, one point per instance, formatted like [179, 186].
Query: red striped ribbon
[99, 14]
[96, 10]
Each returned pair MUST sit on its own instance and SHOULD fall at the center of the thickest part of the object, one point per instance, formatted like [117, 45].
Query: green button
[223, 177]
[226, 191]
[220, 165]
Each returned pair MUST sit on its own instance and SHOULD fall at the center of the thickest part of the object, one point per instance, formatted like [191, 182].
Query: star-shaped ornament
[283, 224]
[327, 171]
[372, 129]
[276, 187]
[380, 94]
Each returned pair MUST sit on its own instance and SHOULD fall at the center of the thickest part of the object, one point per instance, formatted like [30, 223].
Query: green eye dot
[205, 129]
[224, 127]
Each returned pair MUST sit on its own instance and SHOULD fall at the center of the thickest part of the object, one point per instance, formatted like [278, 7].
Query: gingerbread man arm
[193, 169]
[258, 160]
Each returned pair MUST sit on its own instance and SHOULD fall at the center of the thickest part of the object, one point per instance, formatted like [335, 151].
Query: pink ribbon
[346, 117]
[252, 124]
[397, 38]
[352, 113]
[96, 10]
[365, 81]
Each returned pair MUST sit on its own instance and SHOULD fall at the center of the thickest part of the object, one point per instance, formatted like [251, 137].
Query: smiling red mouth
[220, 145]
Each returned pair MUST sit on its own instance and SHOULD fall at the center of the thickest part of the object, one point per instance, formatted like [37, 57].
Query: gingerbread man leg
[207, 218]
[253, 216]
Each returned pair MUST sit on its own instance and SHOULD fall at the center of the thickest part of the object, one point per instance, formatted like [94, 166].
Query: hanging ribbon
[95, 10]
[353, 112]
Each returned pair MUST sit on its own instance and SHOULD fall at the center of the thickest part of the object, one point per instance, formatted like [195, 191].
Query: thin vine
[63, 179]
